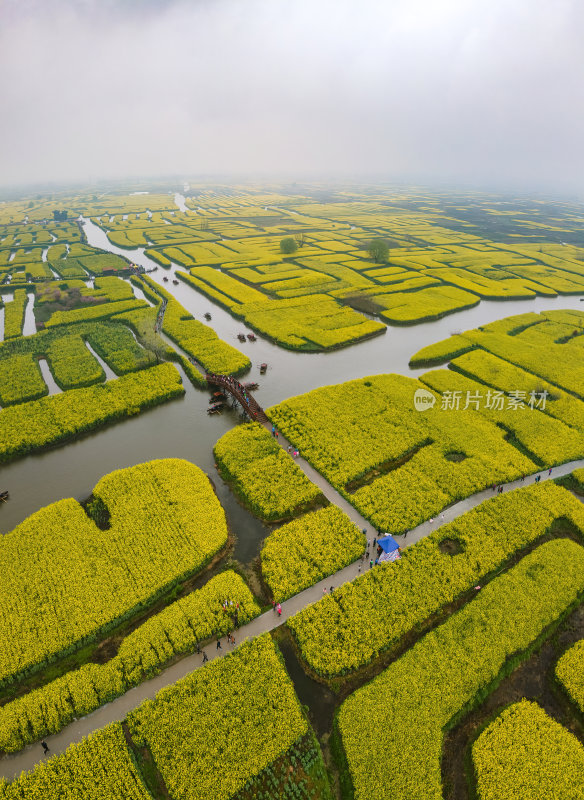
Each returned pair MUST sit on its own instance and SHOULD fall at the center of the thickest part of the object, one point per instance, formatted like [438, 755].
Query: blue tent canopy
[388, 544]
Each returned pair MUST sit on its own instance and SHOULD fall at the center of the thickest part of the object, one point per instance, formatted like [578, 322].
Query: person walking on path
[219, 644]
[279, 610]
[274, 606]
[205, 657]
[550, 472]
[45, 747]
[371, 564]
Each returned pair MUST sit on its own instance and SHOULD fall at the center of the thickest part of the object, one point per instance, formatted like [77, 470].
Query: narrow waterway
[291, 373]
[182, 428]
[180, 200]
[52, 385]
[29, 326]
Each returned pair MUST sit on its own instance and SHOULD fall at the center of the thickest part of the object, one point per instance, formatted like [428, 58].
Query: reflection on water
[180, 199]
[29, 326]
[182, 428]
[110, 375]
[321, 702]
[292, 373]
[48, 377]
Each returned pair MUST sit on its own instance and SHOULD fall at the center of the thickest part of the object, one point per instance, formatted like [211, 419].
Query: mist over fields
[480, 93]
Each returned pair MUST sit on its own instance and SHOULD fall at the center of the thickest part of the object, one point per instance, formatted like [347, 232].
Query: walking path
[12, 765]
[329, 491]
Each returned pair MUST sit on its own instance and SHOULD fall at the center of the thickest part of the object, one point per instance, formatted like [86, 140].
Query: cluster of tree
[378, 250]
[291, 244]
[60, 216]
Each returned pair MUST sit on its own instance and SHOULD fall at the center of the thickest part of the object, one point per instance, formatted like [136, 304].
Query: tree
[300, 238]
[378, 249]
[288, 246]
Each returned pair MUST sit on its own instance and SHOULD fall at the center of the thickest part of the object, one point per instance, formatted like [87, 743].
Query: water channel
[181, 428]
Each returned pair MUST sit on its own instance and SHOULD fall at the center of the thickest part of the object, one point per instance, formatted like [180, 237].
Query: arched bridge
[240, 393]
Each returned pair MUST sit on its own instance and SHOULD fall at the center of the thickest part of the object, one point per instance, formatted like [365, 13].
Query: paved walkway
[329, 491]
[12, 765]
[463, 506]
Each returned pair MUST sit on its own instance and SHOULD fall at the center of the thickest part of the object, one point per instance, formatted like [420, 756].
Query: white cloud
[479, 91]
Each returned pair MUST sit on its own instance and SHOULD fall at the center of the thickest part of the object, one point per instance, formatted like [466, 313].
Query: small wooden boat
[165, 279]
[4, 496]
[263, 369]
[241, 337]
[251, 386]
[207, 315]
[214, 410]
[252, 337]
[175, 282]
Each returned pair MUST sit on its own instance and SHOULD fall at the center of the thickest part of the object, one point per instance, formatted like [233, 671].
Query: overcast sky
[469, 92]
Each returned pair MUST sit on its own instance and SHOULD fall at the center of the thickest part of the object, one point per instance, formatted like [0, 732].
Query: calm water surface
[182, 428]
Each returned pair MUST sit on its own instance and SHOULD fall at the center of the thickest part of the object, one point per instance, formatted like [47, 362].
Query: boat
[207, 315]
[241, 337]
[251, 386]
[252, 337]
[4, 496]
[215, 409]
[165, 279]
[175, 282]
[263, 368]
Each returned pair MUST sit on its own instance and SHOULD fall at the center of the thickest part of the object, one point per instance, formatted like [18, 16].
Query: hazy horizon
[447, 93]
